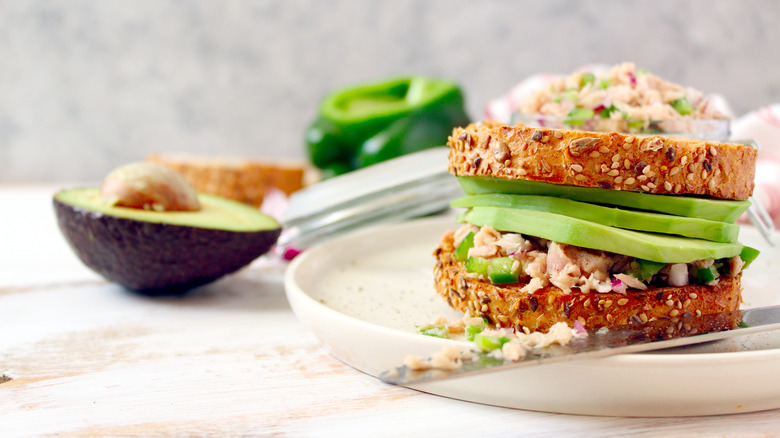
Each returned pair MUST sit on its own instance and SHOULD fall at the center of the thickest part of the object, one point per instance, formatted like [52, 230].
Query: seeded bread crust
[651, 164]
[242, 180]
[508, 306]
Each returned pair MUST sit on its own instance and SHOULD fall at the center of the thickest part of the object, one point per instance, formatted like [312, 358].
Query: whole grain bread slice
[652, 164]
[508, 306]
[243, 180]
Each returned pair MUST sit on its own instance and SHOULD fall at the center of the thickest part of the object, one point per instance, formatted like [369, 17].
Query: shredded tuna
[631, 281]
[486, 235]
[513, 243]
[736, 264]
[541, 262]
[534, 284]
[513, 351]
[484, 251]
[633, 93]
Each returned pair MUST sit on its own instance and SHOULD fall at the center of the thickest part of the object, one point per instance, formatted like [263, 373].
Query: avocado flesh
[711, 209]
[615, 217]
[586, 234]
[163, 252]
[216, 212]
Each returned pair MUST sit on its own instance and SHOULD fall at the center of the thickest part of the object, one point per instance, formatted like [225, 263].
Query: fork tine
[761, 219]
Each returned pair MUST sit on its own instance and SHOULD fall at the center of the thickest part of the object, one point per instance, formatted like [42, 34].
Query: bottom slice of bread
[508, 306]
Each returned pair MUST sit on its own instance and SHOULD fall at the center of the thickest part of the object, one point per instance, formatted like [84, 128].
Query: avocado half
[163, 252]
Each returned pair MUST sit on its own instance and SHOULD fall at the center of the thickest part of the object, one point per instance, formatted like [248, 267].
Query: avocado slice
[711, 209]
[163, 252]
[564, 229]
[616, 217]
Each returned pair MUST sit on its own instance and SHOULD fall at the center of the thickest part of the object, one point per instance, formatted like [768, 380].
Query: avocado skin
[157, 258]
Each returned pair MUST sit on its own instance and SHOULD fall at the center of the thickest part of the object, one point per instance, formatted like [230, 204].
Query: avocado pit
[156, 247]
[149, 186]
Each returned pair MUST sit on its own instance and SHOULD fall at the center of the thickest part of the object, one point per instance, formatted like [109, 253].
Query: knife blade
[632, 338]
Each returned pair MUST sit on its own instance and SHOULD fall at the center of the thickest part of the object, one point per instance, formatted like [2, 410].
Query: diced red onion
[290, 253]
[618, 285]
[579, 328]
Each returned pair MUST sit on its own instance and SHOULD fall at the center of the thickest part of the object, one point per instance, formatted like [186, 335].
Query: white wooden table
[82, 357]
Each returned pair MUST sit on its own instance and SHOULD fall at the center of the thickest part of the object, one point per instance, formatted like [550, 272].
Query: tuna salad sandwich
[597, 229]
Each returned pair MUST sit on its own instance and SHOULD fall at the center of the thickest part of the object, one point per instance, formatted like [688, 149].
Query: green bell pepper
[368, 123]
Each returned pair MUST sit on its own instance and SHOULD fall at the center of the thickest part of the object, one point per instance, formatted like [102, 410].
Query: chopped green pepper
[473, 330]
[578, 116]
[706, 275]
[747, 255]
[587, 78]
[489, 343]
[647, 269]
[682, 106]
[437, 331]
[636, 123]
[477, 265]
[364, 124]
[462, 252]
[500, 270]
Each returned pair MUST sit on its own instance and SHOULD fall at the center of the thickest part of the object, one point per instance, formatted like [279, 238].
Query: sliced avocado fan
[710, 209]
[611, 216]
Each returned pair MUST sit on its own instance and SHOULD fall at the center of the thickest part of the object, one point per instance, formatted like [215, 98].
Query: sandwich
[593, 229]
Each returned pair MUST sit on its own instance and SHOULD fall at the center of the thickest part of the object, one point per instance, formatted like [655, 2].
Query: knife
[631, 338]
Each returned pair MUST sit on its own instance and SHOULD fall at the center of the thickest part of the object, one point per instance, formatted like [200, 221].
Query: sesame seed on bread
[651, 164]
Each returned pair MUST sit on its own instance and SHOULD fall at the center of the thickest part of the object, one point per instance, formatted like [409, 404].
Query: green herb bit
[490, 343]
[578, 116]
[682, 106]
[607, 112]
[604, 84]
[437, 331]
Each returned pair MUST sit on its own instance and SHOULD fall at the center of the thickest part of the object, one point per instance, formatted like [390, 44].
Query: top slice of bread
[651, 164]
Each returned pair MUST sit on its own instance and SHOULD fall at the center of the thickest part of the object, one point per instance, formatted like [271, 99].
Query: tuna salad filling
[504, 258]
[600, 101]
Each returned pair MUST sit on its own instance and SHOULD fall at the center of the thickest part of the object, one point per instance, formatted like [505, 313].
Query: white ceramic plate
[362, 295]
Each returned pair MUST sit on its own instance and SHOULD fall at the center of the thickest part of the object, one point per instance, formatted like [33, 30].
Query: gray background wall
[86, 85]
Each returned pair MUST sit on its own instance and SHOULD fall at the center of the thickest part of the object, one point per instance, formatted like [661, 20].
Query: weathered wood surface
[82, 357]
